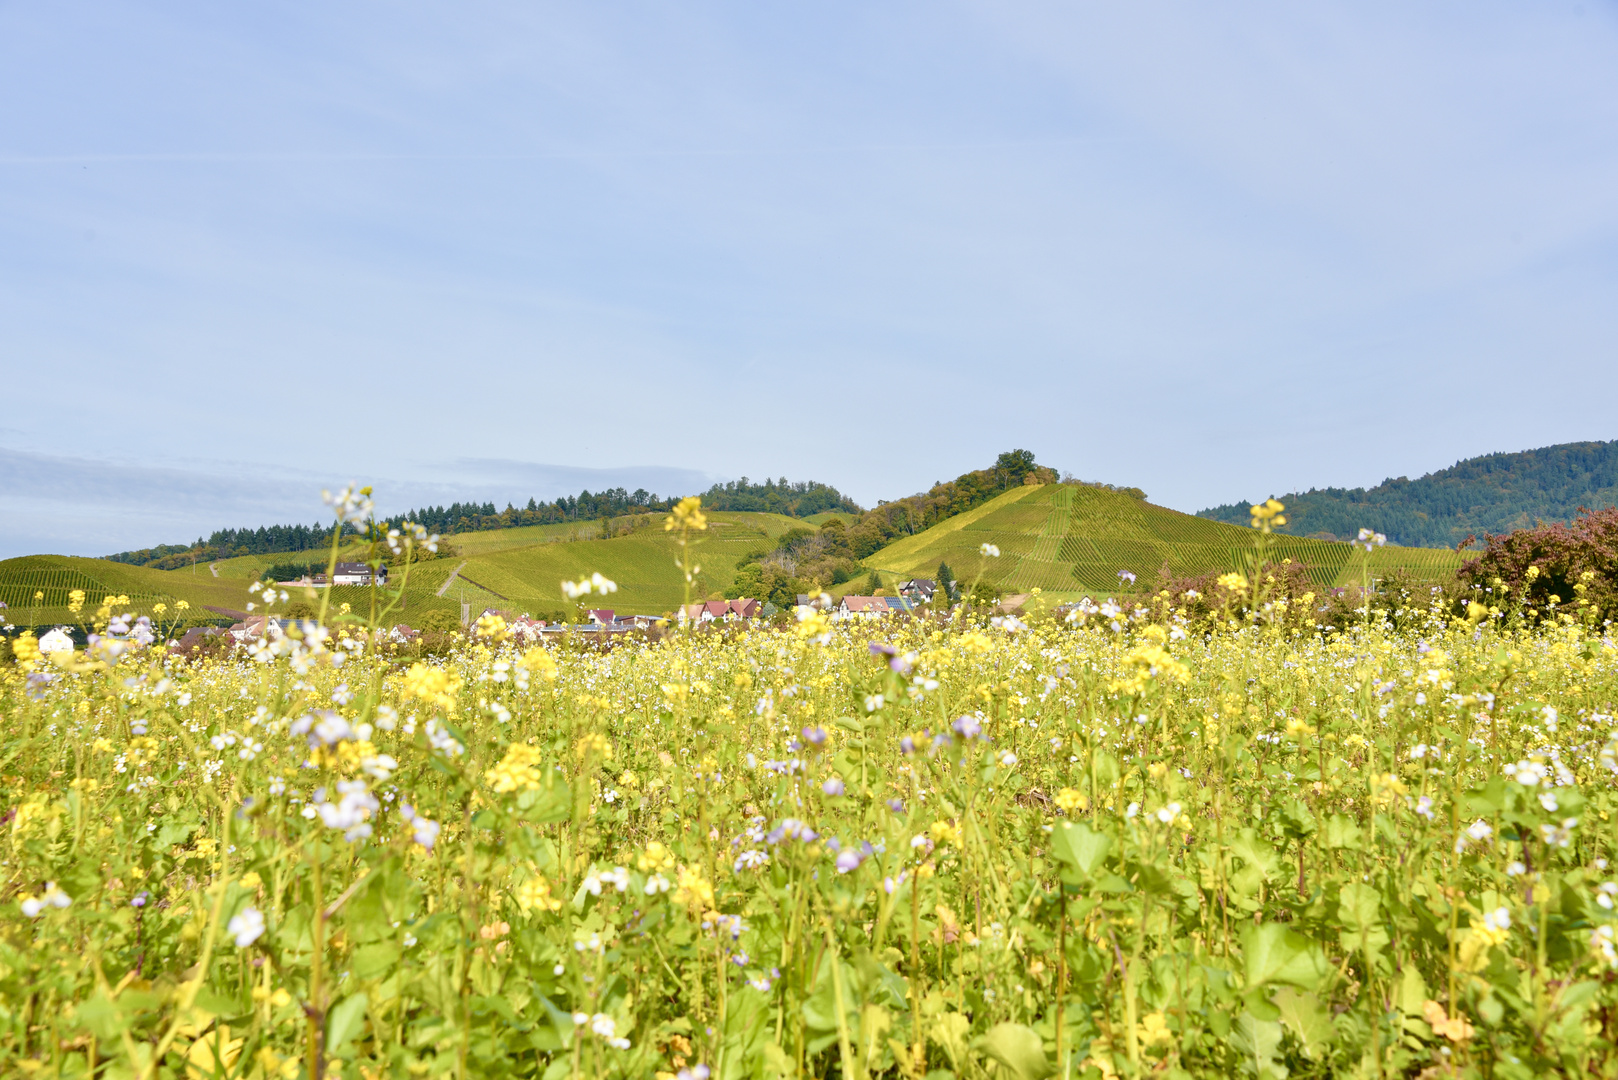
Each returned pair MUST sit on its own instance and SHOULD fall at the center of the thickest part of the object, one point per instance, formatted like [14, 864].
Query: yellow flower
[540, 663]
[1267, 515]
[75, 601]
[1071, 799]
[947, 832]
[692, 890]
[491, 627]
[687, 515]
[1232, 581]
[517, 771]
[251, 880]
[655, 858]
[535, 894]
[433, 685]
[26, 648]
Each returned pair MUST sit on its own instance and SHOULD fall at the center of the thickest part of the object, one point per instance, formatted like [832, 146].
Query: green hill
[36, 588]
[1496, 493]
[517, 570]
[1073, 538]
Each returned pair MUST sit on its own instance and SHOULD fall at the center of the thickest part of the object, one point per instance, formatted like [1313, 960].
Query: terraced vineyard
[1067, 538]
[35, 588]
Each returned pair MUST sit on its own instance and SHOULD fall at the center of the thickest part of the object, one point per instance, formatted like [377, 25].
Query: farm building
[358, 573]
[710, 610]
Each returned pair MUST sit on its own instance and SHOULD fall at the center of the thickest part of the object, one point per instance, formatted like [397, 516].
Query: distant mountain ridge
[1495, 493]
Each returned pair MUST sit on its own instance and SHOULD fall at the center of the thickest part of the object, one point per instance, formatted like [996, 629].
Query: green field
[1068, 538]
[1063, 538]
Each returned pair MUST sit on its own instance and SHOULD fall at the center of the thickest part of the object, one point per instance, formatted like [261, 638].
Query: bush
[440, 622]
[1552, 568]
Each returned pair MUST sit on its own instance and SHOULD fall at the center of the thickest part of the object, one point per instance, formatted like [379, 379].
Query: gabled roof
[866, 603]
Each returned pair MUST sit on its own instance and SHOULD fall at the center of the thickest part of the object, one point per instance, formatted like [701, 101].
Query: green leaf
[1019, 1048]
[1079, 846]
[1302, 1015]
[1343, 831]
[1257, 1041]
[949, 1031]
[346, 1020]
[1274, 954]
[1359, 905]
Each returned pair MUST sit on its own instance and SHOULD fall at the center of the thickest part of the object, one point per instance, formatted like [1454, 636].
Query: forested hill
[1495, 493]
[801, 499]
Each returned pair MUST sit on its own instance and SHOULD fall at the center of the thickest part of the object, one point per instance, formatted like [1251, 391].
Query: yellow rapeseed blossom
[534, 894]
[75, 601]
[1267, 515]
[655, 859]
[538, 661]
[1071, 799]
[517, 771]
[692, 890]
[26, 648]
[947, 832]
[491, 627]
[687, 515]
[432, 685]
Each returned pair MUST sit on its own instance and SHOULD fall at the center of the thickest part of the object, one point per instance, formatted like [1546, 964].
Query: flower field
[1118, 844]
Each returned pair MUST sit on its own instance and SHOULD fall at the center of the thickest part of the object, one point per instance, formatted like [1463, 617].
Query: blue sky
[499, 250]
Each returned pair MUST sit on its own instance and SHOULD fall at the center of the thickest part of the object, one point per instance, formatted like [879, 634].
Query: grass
[1067, 539]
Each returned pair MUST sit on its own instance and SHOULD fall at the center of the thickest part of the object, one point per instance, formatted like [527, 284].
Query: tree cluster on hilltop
[1494, 494]
[805, 560]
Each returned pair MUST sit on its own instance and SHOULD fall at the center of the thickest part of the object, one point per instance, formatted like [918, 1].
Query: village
[602, 623]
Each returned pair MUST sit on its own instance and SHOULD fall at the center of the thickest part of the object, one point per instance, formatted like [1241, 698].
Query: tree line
[800, 499]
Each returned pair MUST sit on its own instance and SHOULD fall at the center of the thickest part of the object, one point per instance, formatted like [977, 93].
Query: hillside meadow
[1133, 841]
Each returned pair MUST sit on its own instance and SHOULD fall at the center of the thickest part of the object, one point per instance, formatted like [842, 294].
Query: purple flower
[140, 899]
[969, 727]
[907, 746]
[896, 805]
[1127, 576]
[834, 786]
[814, 736]
[849, 860]
[881, 649]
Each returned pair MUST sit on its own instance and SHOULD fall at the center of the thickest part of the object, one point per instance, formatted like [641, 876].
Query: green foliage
[1493, 494]
[1062, 850]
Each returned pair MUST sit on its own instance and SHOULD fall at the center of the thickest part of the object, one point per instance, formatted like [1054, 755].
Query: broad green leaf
[1302, 1015]
[1272, 953]
[345, 1021]
[1018, 1048]
[1358, 905]
[1343, 831]
[1257, 1041]
[1080, 846]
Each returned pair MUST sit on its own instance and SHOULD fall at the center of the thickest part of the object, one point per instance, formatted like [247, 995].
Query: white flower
[246, 927]
[1169, 813]
[1607, 891]
[1498, 919]
[1515, 868]
[655, 884]
[1132, 809]
[1547, 799]
[1008, 759]
[32, 906]
[989, 551]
